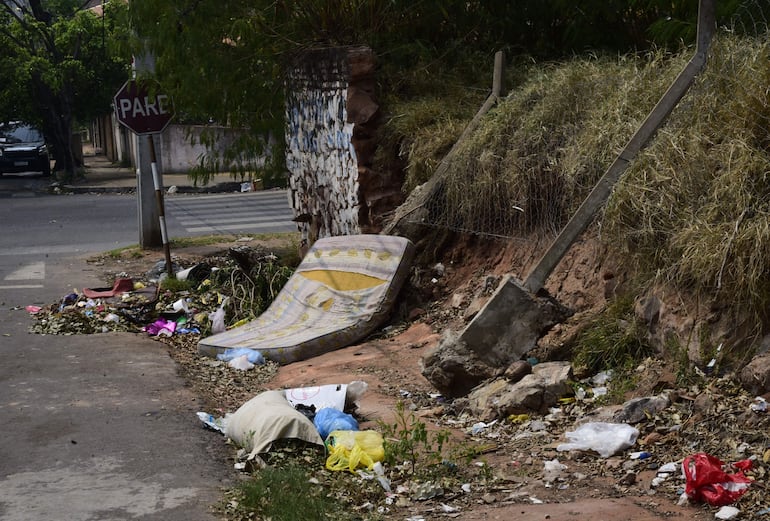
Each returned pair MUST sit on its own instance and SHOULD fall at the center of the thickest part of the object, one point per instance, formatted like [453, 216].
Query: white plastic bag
[218, 318]
[241, 363]
[605, 438]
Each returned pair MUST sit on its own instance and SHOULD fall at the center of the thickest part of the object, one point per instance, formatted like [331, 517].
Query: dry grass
[541, 150]
[693, 207]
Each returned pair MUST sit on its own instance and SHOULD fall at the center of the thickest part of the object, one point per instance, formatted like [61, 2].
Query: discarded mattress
[342, 290]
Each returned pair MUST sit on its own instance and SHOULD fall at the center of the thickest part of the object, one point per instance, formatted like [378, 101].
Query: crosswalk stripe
[32, 271]
[218, 208]
[233, 212]
[224, 220]
[254, 196]
[236, 227]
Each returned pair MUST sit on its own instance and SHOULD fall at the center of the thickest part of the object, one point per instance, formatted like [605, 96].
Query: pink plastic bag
[707, 480]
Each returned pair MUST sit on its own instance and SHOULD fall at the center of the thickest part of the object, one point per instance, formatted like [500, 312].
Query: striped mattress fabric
[342, 290]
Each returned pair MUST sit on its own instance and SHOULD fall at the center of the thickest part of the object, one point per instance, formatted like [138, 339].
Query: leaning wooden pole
[440, 172]
[601, 192]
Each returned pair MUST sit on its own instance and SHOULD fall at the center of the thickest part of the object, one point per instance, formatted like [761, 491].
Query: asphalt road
[95, 427]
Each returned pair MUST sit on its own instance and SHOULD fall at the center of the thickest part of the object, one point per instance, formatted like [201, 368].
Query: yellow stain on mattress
[342, 280]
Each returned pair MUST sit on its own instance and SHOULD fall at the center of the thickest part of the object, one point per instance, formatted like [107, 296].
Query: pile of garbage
[206, 302]
[315, 415]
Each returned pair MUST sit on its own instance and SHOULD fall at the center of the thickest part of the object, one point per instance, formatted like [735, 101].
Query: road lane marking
[32, 271]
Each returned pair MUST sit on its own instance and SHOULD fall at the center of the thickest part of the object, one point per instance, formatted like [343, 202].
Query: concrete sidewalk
[102, 175]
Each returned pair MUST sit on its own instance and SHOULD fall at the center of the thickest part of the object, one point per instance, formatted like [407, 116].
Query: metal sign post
[161, 207]
[143, 109]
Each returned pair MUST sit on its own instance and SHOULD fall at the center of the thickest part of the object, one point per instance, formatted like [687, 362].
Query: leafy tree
[60, 66]
[225, 60]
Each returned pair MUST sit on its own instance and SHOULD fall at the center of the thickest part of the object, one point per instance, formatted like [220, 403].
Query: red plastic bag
[707, 480]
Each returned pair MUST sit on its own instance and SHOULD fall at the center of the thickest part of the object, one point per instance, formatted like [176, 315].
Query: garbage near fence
[199, 301]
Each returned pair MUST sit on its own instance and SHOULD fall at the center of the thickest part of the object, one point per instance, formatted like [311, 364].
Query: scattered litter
[601, 378]
[427, 490]
[605, 438]
[638, 409]
[759, 405]
[266, 418]
[553, 470]
[33, 309]
[241, 363]
[217, 424]
[252, 355]
[217, 318]
[349, 450]
[639, 455]
[478, 427]
[321, 396]
[120, 286]
[378, 473]
[160, 327]
[707, 480]
[330, 419]
[727, 513]
[669, 467]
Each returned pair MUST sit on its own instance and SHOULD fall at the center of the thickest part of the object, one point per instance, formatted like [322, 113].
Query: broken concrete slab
[510, 324]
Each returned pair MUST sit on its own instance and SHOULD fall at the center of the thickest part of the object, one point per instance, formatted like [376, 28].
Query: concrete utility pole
[147, 209]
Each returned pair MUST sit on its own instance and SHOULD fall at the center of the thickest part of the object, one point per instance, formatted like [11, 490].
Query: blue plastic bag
[329, 419]
[252, 355]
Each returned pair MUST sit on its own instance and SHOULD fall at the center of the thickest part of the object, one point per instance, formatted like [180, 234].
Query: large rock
[454, 370]
[535, 392]
[755, 377]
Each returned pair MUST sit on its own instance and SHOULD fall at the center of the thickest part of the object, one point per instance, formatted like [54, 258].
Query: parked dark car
[23, 149]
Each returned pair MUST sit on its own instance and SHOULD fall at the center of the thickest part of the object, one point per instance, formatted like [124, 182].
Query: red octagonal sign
[142, 108]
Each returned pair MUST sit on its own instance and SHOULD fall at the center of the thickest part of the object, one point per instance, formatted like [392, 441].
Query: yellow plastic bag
[349, 450]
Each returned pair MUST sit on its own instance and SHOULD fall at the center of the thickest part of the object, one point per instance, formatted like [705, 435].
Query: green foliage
[175, 285]
[615, 339]
[284, 494]
[407, 440]
[59, 66]
[226, 61]
[252, 292]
